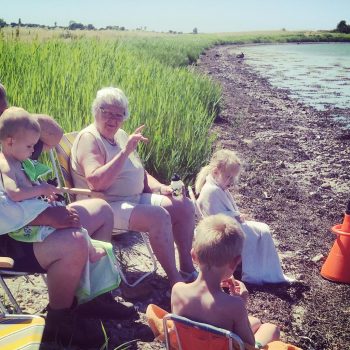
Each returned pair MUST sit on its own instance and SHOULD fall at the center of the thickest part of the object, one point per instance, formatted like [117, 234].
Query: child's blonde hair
[14, 120]
[219, 239]
[224, 160]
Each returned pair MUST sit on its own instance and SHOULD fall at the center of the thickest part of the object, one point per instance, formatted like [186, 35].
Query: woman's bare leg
[156, 222]
[183, 222]
[96, 216]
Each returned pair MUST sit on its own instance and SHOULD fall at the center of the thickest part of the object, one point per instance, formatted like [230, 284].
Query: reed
[60, 74]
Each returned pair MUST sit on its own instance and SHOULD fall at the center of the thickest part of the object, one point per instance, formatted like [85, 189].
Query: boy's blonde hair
[219, 239]
[14, 120]
[224, 160]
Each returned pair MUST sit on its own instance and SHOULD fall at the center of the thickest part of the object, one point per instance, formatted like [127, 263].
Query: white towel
[260, 261]
[15, 215]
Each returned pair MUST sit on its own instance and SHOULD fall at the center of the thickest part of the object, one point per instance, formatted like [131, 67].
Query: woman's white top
[130, 180]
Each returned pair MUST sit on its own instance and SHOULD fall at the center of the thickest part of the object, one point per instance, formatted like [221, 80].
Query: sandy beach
[296, 178]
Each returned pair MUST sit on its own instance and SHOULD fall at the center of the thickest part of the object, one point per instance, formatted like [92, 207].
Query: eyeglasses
[107, 115]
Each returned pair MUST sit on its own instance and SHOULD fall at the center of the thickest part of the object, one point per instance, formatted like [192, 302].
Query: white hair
[112, 96]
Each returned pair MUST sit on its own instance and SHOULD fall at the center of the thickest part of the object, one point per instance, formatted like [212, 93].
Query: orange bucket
[337, 265]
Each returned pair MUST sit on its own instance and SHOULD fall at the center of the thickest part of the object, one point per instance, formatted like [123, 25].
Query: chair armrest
[6, 263]
[83, 191]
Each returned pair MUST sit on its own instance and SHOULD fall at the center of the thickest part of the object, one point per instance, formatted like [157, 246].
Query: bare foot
[95, 254]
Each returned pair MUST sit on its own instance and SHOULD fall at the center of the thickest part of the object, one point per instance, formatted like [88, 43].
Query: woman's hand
[165, 190]
[134, 139]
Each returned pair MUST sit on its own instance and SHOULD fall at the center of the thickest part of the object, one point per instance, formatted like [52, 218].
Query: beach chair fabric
[63, 175]
[63, 150]
[192, 335]
[180, 333]
[21, 332]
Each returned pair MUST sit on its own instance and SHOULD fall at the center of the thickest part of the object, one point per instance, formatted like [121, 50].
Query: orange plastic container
[337, 265]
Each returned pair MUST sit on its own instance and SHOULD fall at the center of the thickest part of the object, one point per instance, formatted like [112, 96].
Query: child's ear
[194, 256]
[216, 171]
[9, 141]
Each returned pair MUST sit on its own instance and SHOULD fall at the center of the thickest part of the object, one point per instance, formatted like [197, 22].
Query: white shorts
[122, 209]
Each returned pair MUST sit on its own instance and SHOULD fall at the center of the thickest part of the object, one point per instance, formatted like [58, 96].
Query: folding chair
[6, 264]
[20, 331]
[186, 334]
[63, 175]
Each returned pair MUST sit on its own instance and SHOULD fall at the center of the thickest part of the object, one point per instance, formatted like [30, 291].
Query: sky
[182, 15]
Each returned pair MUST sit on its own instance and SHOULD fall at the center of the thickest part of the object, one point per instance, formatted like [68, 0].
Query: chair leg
[150, 251]
[146, 274]
[3, 309]
[10, 296]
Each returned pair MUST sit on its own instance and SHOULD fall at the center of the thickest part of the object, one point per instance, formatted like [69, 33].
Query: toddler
[260, 261]
[19, 132]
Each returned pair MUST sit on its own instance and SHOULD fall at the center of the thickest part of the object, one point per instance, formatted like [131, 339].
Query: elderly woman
[104, 159]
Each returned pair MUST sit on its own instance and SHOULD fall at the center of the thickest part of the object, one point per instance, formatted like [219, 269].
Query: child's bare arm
[176, 291]
[16, 193]
[241, 325]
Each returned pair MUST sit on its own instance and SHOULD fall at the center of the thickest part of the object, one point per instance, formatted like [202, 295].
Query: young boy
[19, 132]
[217, 251]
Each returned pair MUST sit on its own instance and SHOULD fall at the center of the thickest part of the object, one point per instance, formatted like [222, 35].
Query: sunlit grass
[58, 73]
[61, 79]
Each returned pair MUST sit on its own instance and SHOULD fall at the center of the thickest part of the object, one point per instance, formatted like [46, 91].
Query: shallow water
[317, 74]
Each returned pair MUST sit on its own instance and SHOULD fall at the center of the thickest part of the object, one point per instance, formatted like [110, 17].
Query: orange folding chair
[190, 335]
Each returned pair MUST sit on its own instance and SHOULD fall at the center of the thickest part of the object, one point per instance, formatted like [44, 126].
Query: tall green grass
[60, 77]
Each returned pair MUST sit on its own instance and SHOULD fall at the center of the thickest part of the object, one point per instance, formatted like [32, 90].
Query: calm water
[317, 74]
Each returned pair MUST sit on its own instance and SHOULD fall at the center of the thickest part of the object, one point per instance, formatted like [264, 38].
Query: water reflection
[318, 74]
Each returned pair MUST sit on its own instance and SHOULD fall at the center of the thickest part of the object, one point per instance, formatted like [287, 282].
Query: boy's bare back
[197, 302]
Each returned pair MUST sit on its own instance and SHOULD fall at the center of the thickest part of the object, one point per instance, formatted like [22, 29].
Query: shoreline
[329, 108]
[297, 156]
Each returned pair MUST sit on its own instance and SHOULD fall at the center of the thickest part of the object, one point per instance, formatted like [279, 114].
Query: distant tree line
[73, 25]
[342, 27]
